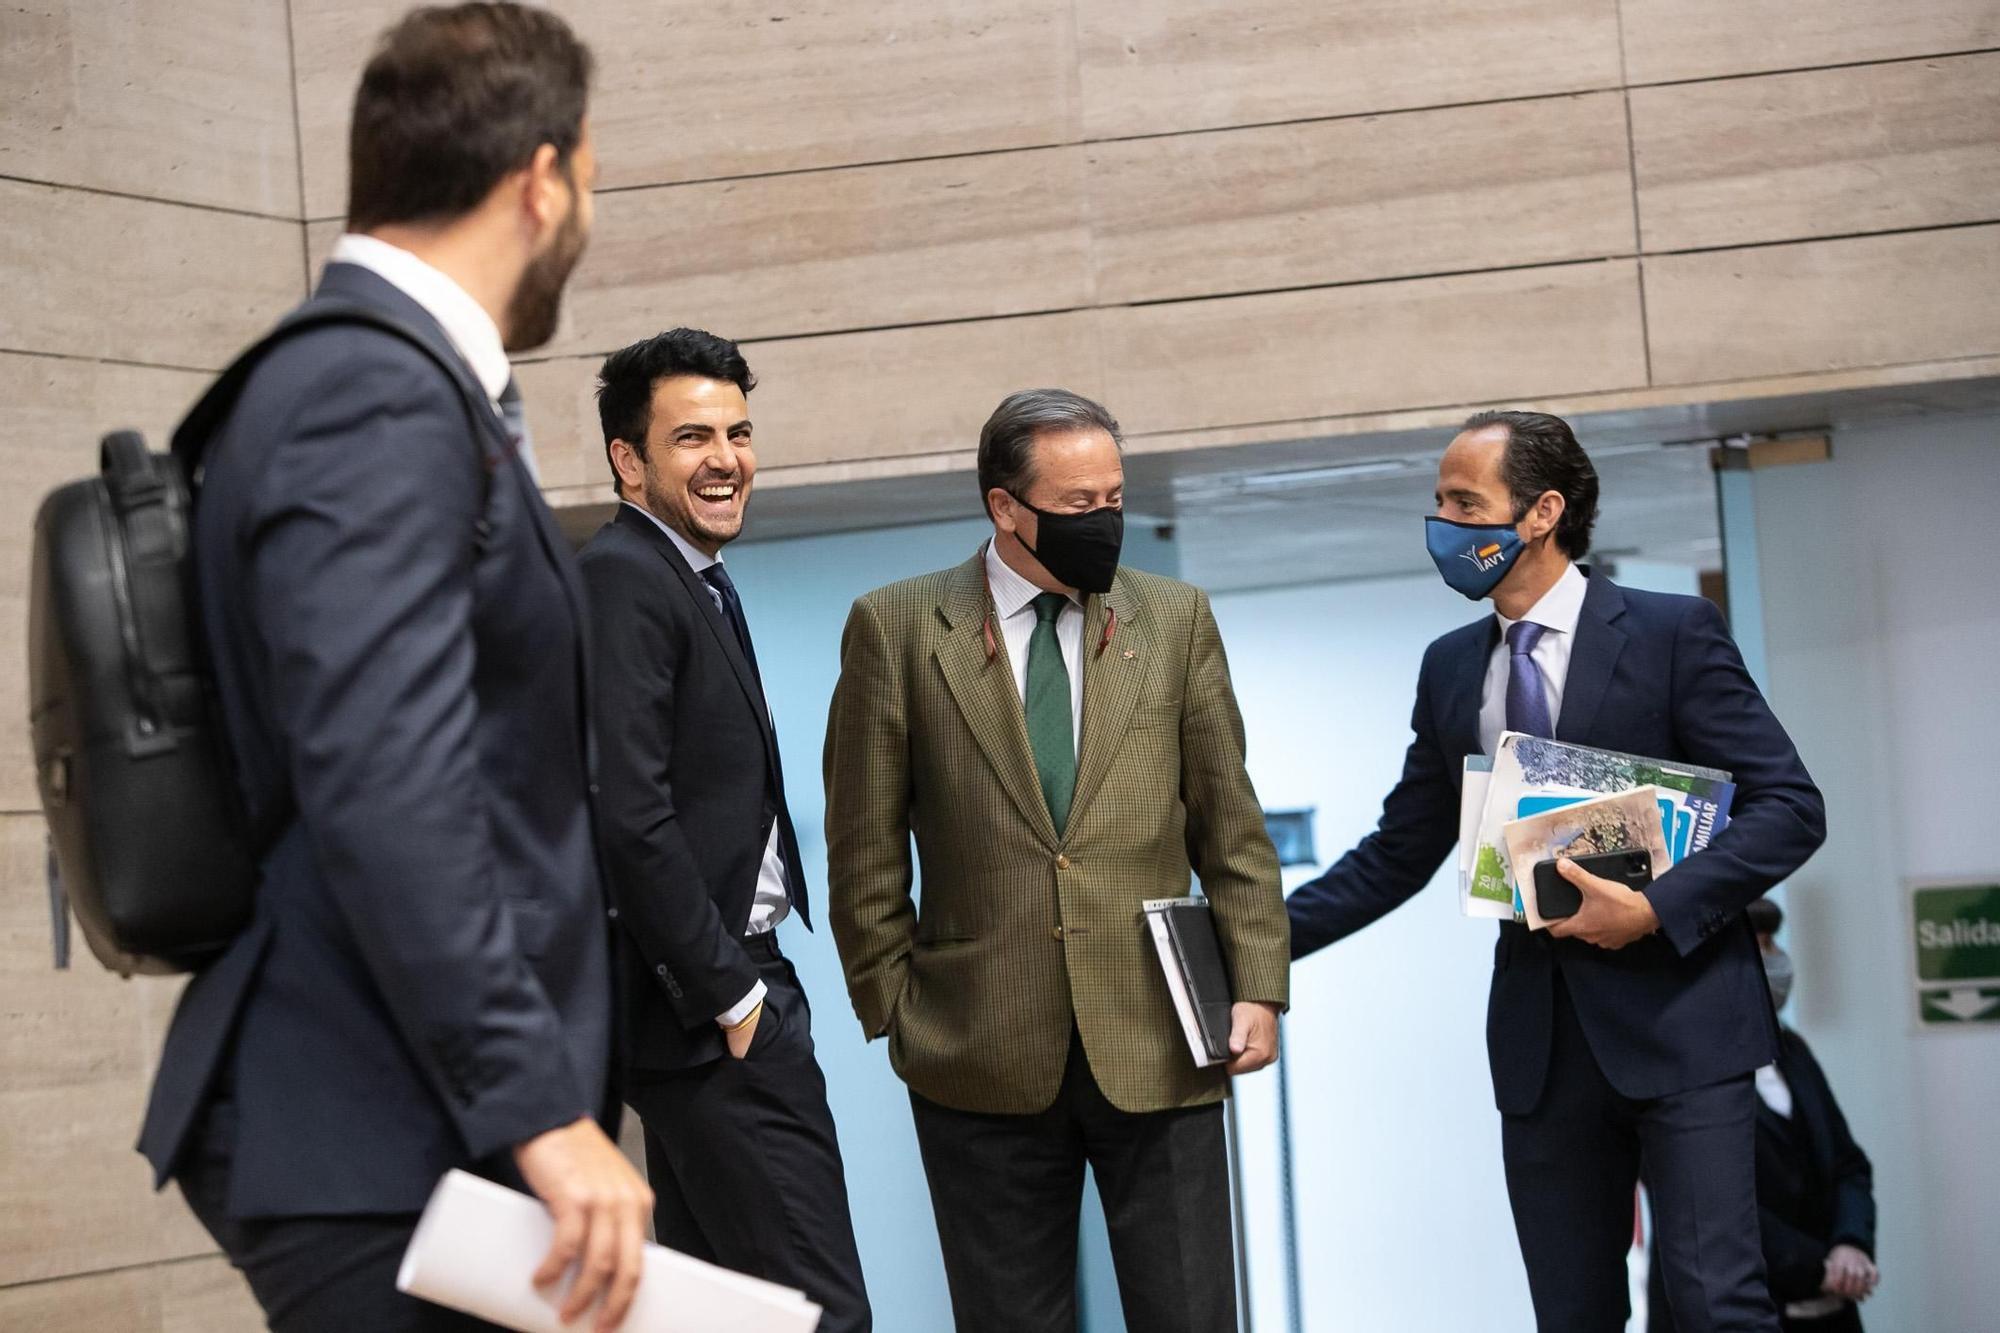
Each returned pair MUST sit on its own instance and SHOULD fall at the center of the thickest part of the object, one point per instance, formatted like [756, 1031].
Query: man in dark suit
[1631, 1029]
[397, 632]
[1815, 1186]
[702, 857]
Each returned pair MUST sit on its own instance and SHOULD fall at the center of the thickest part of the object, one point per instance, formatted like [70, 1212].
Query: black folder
[1183, 931]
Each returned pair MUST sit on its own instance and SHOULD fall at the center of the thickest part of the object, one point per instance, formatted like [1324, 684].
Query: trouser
[1573, 1164]
[743, 1159]
[1007, 1191]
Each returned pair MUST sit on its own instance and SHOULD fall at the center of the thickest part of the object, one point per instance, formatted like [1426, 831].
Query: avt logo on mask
[1483, 559]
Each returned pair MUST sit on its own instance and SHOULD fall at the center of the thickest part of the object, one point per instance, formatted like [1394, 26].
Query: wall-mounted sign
[1956, 930]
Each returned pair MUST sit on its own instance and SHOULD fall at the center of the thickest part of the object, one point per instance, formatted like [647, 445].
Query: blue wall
[796, 596]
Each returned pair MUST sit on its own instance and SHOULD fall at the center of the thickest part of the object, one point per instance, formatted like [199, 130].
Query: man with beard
[396, 627]
[702, 858]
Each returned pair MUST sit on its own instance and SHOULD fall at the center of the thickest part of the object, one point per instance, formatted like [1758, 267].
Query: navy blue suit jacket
[1649, 674]
[691, 790]
[396, 626]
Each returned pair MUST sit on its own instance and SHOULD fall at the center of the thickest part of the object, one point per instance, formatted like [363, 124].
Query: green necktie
[1049, 720]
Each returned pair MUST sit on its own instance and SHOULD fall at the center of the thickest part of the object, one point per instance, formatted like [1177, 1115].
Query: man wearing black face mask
[1815, 1186]
[1632, 1028]
[1060, 735]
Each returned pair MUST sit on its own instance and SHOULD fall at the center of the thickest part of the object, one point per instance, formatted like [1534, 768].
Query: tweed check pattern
[1048, 711]
[1024, 929]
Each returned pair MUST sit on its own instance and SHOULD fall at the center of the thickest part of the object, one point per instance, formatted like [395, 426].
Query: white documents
[478, 1245]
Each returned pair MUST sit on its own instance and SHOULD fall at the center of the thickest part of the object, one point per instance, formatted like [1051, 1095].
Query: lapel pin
[1129, 654]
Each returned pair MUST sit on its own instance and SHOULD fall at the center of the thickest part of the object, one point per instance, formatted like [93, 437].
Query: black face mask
[1079, 550]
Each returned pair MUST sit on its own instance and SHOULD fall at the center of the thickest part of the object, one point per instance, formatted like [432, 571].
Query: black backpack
[156, 853]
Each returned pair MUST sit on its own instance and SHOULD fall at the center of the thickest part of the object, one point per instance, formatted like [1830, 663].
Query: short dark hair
[1007, 440]
[454, 99]
[1542, 455]
[625, 381]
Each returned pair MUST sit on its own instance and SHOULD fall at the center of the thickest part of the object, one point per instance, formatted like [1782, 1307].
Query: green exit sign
[1957, 936]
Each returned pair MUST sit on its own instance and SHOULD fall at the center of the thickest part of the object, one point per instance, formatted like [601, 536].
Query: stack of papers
[478, 1245]
[1530, 775]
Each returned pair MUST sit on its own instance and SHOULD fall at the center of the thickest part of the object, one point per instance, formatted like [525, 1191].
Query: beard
[672, 506]
[536, 306]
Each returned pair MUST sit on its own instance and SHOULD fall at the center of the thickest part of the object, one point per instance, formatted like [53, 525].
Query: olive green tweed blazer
[1022, 931]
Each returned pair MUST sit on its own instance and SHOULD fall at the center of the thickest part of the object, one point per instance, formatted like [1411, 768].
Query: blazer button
[1056, 931]
[1062, 862]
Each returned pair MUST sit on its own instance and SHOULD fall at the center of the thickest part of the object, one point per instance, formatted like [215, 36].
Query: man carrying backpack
[395, 627]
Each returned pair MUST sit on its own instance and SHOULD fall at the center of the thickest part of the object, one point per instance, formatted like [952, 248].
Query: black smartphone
[1556, 897]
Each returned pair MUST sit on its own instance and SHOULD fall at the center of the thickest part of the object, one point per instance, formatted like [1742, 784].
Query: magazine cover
[1533, 775]
[1625, 822]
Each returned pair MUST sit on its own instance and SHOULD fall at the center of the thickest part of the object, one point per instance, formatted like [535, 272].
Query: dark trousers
[311, 1274]
[1573, 1164]
[1008, 1192]
[744, 1163]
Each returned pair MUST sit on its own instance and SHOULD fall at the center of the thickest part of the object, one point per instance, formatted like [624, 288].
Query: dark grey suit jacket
[397, 629]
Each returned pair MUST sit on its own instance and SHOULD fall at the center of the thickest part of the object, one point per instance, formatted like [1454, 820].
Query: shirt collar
[698, 560]
[1012, 594]
[1560, 608]
[464, 321]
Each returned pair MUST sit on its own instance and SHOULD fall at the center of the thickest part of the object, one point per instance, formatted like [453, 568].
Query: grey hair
[1006, 441]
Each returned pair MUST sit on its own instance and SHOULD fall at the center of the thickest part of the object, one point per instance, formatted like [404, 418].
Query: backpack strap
[201, 425]
[204, 421]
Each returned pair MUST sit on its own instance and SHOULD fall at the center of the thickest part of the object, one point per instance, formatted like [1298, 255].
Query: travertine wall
[1235, 221]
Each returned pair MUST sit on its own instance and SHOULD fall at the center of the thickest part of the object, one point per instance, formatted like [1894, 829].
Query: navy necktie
[1527, 692]
[732, 611]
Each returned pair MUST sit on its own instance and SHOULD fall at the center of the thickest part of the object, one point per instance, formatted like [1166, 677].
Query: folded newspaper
[478, 1244]
[1531, 774]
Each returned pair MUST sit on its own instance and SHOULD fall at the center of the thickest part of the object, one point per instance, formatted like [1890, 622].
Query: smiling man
[703, 861]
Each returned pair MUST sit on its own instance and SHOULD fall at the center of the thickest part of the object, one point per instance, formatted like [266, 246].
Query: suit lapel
[1458, 713]
[1591, 659]
[724, 634]
[985, 694]
[1112, 682]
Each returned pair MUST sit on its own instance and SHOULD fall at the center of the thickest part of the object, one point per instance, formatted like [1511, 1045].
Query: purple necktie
[1527, 693]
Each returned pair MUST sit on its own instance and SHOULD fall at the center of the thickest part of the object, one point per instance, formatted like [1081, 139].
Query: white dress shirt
[1774, 1092]
[1558, 611]
[771, 903]
[464, 321]
[1014, 607]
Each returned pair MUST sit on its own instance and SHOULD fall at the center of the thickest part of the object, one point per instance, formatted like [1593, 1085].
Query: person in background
[1630, 1030]
[1815, 1186]
[397, 629]
[698, 841]
[1060, 735]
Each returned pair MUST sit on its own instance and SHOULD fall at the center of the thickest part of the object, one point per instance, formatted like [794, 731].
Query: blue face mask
[1473, 557]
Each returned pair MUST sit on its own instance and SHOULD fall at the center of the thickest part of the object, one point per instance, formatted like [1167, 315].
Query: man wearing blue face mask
[1629, 1031]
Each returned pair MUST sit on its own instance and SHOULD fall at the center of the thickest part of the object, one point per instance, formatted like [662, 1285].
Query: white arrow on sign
[1964, 1005]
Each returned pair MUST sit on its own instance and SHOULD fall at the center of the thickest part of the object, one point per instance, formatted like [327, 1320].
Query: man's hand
[600, 1205]
[1850, 1273]
[740, 1036]
[1612, 915]
[1253, 1036]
